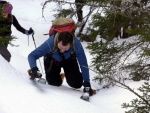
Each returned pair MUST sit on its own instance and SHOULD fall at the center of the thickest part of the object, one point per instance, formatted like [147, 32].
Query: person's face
[63, 48]
[5, 15]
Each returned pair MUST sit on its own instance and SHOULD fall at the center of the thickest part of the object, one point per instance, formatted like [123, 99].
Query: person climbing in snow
[7, 19]
[66, 57]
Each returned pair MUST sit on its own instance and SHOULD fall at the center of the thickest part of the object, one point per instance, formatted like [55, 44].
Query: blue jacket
[47, 47]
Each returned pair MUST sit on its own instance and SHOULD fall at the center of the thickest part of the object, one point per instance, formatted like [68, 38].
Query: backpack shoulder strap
[73, 46]
[55, 42]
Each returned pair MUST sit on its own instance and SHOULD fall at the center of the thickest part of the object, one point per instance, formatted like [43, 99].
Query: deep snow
[19, 95]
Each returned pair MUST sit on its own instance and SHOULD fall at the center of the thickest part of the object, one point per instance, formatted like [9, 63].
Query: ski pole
[33, 40]
[28, 40]
[35, 47]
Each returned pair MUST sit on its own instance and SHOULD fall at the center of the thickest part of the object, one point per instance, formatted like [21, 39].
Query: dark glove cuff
[86, 84]
[34, 69]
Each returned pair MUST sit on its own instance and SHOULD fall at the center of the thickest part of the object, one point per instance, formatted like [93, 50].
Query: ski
[39, 79]
[85, 96]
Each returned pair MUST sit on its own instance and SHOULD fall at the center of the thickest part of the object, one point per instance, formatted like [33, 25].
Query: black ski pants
[71, 69]
[3, 49]
[5, 53]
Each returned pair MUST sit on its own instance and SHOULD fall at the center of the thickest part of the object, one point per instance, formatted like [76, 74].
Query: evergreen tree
[121, 19]
[142, 104]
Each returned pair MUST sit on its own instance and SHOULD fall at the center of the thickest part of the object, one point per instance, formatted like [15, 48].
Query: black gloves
[29, 32]
[35, 73]
[87, 88]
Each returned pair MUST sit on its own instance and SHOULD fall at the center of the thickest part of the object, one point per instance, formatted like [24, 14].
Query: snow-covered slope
[19, 95]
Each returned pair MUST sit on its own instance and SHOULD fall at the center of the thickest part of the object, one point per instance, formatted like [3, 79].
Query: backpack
[60, 25]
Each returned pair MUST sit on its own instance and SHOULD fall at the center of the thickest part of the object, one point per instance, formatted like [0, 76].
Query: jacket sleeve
[17, 25]
[81, 57]
[46, 47]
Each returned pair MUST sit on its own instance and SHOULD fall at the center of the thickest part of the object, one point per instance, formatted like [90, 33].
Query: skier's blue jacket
[47, 47]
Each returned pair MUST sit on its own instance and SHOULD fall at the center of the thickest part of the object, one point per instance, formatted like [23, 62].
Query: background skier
[7, 19]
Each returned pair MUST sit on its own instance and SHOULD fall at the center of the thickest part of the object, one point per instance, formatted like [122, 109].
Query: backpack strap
[55, 42]
[73, 46]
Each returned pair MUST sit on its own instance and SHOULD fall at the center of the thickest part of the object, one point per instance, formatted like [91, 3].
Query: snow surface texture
[20, 95]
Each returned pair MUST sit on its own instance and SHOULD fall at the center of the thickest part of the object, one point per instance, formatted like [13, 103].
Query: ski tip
[42, 81]
[85, 98]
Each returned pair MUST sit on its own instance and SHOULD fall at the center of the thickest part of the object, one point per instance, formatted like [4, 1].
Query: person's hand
[29, 32]
[87, 88]
[35, 73]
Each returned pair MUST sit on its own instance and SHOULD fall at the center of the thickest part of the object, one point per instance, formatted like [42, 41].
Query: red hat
[8, 8]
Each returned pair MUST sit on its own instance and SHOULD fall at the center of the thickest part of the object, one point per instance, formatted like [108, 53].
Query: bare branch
[92, 4]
